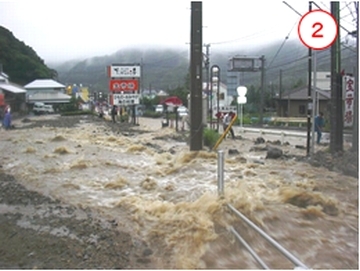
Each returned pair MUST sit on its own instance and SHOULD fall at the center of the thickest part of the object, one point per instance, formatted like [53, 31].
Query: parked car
[39, 108]
[159, 108]
[49, 109]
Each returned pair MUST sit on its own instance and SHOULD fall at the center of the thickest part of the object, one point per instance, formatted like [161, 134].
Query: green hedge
[152, 114]
[78, 112]
[210, 137]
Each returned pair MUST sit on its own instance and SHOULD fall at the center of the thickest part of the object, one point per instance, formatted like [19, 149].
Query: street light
[215, 85]
[241, 99]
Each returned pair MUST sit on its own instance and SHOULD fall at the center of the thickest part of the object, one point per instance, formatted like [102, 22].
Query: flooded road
[158, 190]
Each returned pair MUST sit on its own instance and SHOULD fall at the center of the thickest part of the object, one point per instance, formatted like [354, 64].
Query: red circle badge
[317, 29]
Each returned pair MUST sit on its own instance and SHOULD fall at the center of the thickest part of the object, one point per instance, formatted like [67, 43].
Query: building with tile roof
[47, 91]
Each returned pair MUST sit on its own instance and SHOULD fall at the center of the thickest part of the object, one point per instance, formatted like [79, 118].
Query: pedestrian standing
[7, 119]
[319, 124]
[113, 113]
[226, 122]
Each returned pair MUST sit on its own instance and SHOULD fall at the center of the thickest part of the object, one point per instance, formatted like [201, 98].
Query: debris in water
[30, 150]
[148, 184]
[303, 199]
[62, 150]
[58, 138]
[117, 184]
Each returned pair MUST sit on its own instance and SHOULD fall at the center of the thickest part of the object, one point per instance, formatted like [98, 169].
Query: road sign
[126, 99]
[124, 85]
[124, 71]
[317, 29]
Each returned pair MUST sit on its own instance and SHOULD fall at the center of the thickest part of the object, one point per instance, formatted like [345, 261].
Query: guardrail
[288, 120]
[298, 264]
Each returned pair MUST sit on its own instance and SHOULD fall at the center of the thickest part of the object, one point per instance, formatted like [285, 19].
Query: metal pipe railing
[286, 253]
[247, 246]
[220, 173]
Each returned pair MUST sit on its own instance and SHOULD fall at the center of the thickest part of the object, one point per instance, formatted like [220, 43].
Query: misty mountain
[162, 69]
[167, 68]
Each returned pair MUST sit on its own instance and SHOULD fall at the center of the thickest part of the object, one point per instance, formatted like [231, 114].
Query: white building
[46, 91]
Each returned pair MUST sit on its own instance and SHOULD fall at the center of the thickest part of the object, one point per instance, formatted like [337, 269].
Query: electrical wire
[282, 45]
[339, 24]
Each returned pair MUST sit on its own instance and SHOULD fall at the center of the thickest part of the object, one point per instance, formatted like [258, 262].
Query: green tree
[20, 61]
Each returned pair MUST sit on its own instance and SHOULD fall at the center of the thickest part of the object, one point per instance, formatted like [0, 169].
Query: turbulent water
[160, 191]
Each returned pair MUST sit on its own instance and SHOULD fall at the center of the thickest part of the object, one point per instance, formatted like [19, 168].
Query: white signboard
[119, 71]
[349, 101]
[126, 99]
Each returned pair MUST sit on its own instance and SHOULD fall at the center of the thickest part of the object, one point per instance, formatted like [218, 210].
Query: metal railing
[298, 264]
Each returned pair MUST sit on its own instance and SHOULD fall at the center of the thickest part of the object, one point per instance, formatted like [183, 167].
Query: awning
[12, 88]
[51, 97]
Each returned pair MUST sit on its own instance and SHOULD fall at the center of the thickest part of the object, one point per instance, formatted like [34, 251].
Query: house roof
[12, 88]
[301, 93]
[53, 97]
[4, 75]
[44, 83]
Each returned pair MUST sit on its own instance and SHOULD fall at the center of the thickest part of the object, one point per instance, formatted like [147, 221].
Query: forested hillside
[20, 61]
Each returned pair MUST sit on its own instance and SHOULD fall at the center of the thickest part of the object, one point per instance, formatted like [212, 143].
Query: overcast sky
[63, 30]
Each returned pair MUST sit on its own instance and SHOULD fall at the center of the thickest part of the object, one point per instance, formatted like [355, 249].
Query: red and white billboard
[125, 85]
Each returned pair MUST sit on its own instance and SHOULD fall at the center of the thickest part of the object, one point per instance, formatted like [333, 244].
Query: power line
[282, 45]
[292, 8]
[339, 23]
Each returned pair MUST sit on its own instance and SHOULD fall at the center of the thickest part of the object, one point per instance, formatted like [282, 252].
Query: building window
[302, 109]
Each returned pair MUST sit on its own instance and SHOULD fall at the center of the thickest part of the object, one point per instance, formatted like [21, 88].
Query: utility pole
[196, 55]
[262, 90]
[336, 112]
[355, 135]
[309, 95]
[280, 94]
[207, 70]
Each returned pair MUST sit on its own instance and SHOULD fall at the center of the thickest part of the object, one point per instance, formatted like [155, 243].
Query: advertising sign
[126, 99]
[349, 101]
[122, 71]
[124, 85]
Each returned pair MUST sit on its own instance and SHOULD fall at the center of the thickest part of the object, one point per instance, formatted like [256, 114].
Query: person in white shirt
[226, 122]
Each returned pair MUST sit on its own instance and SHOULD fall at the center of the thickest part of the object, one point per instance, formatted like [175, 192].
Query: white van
[39, 108]
[49, 109]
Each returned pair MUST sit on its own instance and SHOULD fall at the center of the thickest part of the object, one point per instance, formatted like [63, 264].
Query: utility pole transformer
[196, 125]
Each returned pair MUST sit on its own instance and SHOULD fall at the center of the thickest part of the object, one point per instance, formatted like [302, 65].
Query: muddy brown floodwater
[81, 192]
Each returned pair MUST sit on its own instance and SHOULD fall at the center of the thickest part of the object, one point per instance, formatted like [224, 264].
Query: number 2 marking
[316, 34]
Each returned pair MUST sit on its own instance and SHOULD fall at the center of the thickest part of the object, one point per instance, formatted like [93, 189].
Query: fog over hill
[166, 68]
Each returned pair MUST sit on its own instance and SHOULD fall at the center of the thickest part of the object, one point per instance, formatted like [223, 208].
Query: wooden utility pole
[309, 96]
[355, 135]
[336, 112]
[280, 111]
[207, 71]
[196, 125]
[262, 90]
